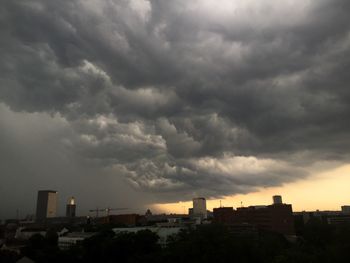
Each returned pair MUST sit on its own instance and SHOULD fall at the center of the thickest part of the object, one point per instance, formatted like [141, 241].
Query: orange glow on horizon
[324, 191]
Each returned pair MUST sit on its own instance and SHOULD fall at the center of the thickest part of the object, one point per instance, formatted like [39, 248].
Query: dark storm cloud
[185, 97]
[36, 153]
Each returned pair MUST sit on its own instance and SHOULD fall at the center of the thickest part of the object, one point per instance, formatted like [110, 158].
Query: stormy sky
[126, 103]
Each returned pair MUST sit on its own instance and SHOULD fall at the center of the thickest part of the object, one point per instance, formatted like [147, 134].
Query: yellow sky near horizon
[324, 191]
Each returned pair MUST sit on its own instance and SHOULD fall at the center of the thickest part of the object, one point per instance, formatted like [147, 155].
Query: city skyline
[295, 193]
[187, 207]
[149, 104]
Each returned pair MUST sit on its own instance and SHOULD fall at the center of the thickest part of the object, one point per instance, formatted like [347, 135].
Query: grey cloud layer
[184, 98]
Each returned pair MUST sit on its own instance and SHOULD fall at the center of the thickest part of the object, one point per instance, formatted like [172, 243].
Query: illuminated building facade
[199, 207]
[70, 208]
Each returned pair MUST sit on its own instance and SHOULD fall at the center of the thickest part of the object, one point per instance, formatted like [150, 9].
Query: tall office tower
[46, 205]
[200, 207]
[277, 200]
[70, 208]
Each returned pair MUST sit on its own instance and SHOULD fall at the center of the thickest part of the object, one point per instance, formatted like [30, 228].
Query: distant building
[223, 215]
[70, 208]
[46, 206]
[166, 218]
[345, 209]
[24, 233]
[328, 217]
[199, 208]
[126, 219]
[305, 216]
[339, 220]
[72, 239]
[276, 218]
[163, 232]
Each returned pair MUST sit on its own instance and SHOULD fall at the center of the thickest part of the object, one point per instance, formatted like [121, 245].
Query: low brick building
[276, 218]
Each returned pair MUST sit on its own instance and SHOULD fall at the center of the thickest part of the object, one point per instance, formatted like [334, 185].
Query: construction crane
[107, 210]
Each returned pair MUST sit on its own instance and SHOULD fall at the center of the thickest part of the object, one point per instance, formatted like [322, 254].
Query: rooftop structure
[277, 200]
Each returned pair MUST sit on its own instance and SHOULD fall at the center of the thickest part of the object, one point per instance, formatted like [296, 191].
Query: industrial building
[46, 206]
[277, 217]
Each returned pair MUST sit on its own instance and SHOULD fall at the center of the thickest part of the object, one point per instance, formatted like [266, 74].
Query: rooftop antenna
[241, 204]
[220, 204]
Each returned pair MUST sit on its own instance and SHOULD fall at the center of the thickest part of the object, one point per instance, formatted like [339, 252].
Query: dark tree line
[317, 242]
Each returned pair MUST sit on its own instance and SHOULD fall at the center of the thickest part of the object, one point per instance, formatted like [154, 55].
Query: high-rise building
[199, 207]
[46, 205]
[70, 208]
